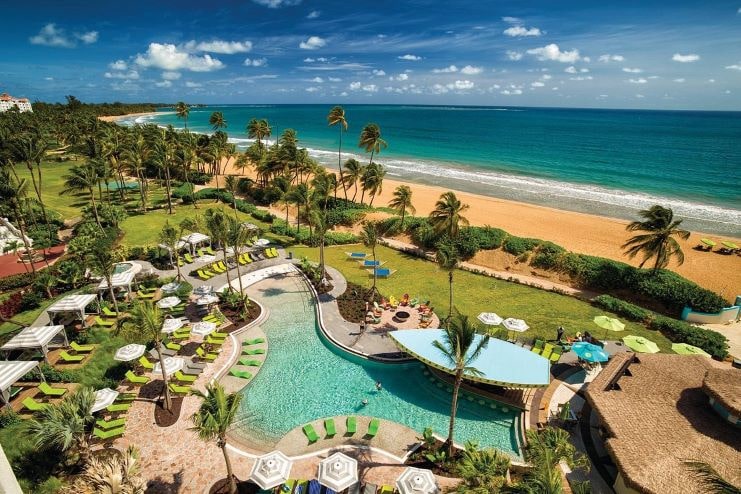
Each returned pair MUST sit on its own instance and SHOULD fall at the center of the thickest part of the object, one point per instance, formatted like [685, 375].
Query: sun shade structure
[118, 280]
[203, 290]
[708, 242]
[207, 300]
[103, 398]
[490, 318]
[515, 325]
[640, 344]
[171, 325]
[589, 352]
[172, 365]
[609, 323]
[203, 328]
[417, 481]
[129, 352]
[11, 371]
[168, 302]
[687, 349]
[730, 245]
[500, 363]
[35, 337]
[71, 304]
[338, 472]
[271, 470]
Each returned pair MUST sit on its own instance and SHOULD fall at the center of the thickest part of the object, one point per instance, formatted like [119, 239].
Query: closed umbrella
[490, 318]
[609, 324]
[589, 352]
[172, 365]
[170, 287]
[686, 349]
[271, 470]
[640, 344]
[338, 472]
[129, 352]
[168, 302]
[202, 328]
[103, 398]
[417, 481]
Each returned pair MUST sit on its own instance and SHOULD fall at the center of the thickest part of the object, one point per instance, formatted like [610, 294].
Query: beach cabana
[193, 240]
[71, 304]
[35, 337]
[11, 371]
[118, 280]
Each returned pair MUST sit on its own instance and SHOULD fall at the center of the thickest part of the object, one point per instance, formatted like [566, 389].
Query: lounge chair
[241, 260]
[108, 312]
[219, 268]
[110, 424]
[386, 489]
[254, 351]
[202, 275]
[173, 346]
[370, 489]
[214, 341]
[367, 263]
[352, 425]
[177, 389]
[210, 250]
[151, 289]
[70, 358]
[202, 354]
[50, 391]
[188, 258]
[145, 295]
[287, 487]
[356, 255]
[144, 362]
[184, 335]
[242, 374]
[109, 434]
[250, 362]
[254, 341]
[99, 321]
[373, 427]
[382, 272]
[81, 348]
[301, 487]
[330, 428]
[118, 407]
[219, 335]
[537, 347]
[33, 405]
[311, 434]
[126, 396]
[547, 350]
[556, 355]
[185, 378]
[134, 379]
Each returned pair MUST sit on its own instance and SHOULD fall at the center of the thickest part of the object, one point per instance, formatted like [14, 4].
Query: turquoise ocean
[605, 162]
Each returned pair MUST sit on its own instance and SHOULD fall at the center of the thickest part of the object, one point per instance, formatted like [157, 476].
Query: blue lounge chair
[382, 272]
[367, 263]
[315, 487]
[356, 255]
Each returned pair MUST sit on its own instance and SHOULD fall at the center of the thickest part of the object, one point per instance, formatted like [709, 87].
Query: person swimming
[378, 386]
[365, 401]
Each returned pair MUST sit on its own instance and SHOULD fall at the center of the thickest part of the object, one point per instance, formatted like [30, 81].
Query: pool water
[122, 267]
[305, 378]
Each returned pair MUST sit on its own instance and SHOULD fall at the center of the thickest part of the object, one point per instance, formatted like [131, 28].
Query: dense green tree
[182, 110]
[447, 216]
[659, 241]
[402, 202]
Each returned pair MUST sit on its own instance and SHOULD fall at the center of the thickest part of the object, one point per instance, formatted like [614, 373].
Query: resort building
[7, 102]
[658, 411]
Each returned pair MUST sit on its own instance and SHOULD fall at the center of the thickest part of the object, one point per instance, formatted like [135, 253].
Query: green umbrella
[730, 245]
[640, 344]
[685, 349]
[609, 324]
[707, 242]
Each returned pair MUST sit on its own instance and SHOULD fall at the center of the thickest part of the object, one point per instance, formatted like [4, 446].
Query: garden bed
[352, 303]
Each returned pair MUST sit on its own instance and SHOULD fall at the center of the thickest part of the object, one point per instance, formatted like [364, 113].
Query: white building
[7, 102]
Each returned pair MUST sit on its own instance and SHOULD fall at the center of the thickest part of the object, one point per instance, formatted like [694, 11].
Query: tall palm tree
[231, 183]
[31, 149]
[12, 191]
[237, 237]
[447, 216]
[402, 202]
[337, 117]
[135, 157]
[170, 238]
[371, 141]
[258, 129]
[318, 218]
[369, 235]
[447, 258]
[372, 181]
[710, 479]
[460, 347]
[282, 184]
[300, 196]
[117, 473]
[483, 470]
[353, 171]
[214, 418]
[217, 224]
[659, 242]
[102, 261]
[65, 426]
[182, 110]
[84, 178]
[217, 121]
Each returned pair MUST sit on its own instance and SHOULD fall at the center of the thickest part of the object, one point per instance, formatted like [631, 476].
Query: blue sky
[628, 54]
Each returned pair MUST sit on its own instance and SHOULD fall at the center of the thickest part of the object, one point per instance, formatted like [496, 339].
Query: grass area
[27, 317]
[473, 293]
[52, 186]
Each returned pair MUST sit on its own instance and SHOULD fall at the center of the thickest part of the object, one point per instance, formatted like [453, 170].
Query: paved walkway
[732, 332]
[10, 264]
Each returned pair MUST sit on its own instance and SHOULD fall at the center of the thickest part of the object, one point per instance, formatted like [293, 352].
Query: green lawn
[52, 186]
[544, 311]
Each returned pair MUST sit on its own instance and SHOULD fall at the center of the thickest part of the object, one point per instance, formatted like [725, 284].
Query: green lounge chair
[537, 347]
[150, 289]
[118, 407]
[240, 373]
[556, 355]
[126, 397]
[202, 274]
[185, 378]
[180, 336]
[173, 346]
[255, 341]
[330, 428]
[204, 355]
[81, 348]
[177, 389]
[109, 434]
[287, 487]
[302, 487]
[352, 425]
[547, 350]
[134, 379]
[386, 489]
[214, 341]
[144, 362]
[110, 424]
[311, 434]
[33, 405]
[210, 250]
[373, 427]
[50, 391]
[99, 321]
[108, 312]
[250, 362]
[254, 351]
[188, 258]
[71, 358]
[219, 335]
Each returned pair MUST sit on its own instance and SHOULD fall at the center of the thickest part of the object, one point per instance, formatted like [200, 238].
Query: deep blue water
[608, 162]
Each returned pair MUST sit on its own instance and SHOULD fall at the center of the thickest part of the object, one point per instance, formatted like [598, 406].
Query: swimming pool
[122, 267]
[305, 378]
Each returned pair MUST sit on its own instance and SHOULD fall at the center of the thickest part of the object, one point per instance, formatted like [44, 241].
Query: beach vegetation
[111, 472]
[217, 120]
[447, 217]
[370, 235]
[402, 202]
[658, 242]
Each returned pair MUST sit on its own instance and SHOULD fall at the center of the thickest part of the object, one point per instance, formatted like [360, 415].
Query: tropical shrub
[15, 281]
[519, 245]
[30, 300]
[622, 308]
[488, 237]
[8, 417]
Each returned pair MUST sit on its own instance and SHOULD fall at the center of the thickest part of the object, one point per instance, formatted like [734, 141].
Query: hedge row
[302, 236]
[15, 281]
[677, 331]
[183, 193]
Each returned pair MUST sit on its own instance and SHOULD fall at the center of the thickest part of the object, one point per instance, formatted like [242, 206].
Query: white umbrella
[203, 290]
[490, 318]
[172, 325]
[271, 470]
[207, 300]
[515, 325]
[262, 242]
[172, 365]
[202, 328]
[170, 287]
[168, 302]
[103, 398]
[208, 258]
[338, 472]
[417, 481]
[129, 352]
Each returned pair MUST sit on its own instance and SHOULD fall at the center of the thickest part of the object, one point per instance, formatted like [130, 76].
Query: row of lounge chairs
[248, 359]
[547, 350]
[351, 427]
[219, 267]
[293, 486]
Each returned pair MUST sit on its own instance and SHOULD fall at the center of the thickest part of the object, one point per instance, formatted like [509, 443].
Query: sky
[572, 53]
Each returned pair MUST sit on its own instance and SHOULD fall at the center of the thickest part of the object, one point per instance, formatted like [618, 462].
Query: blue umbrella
[589, 352]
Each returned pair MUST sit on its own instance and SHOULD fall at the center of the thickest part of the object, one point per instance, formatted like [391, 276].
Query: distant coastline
[116, 118]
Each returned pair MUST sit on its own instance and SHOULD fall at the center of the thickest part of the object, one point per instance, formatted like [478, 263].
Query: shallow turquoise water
[304, 378]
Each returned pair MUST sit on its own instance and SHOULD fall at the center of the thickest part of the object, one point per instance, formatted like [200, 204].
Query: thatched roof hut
[724, 386]
[657, 415]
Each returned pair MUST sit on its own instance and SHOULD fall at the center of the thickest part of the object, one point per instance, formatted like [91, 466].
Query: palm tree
[31, 149]
[102, 262]
[710, 479]
[13, 191]
[135, 157]
[84, 178]
[353, 171]
[369, 235]
[217, 121]
[231, 183]
[214, 418]
[217, 224]
[170, 238]
[114, 473]
[402, 201]
[446, 217]
[182, 110]
[371, 141]
[447, 258]
[318, 218]
[483, 470]
[372, 181]
[659, 242]
[337, 117]
[258, 129]
[237, 237]
[65, 426]
[460, 347]
[300, 196]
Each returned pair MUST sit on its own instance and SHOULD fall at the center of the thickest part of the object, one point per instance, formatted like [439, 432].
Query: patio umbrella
[417, 481]
[168, 302]
[686, 349]
[207, 300]
[589, 352]
[271, 470]
[203, 328]
[730, 245]
[609, 324]
[707, 242]
[103, 398]
[338, 472]
[203, 290]
[170, 287]
[515, 325]
[262, 242]
[172, 365]
[129, 352]
[490, 318]
[640, 344]
[172, 325]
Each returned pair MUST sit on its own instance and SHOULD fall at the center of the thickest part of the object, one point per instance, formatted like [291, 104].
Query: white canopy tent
[71, 304]
[118, 280]
[192, 240]
[35, 337]
[11, 371]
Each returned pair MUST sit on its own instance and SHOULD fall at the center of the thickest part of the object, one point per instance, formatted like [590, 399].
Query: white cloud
[681, 79]
[50, 35]
[309, 60]
[512, 20]
[446, 70]
[632, 70]
[461, 85]
[171, 76]
[132, 74]
[518, 31]
[314, 14]
[169, 57]
[511, 92]
[402, 77]
[537, 84]
[88, 38]
[48, 78]
[736, 66]
[313, 43]
[727, 91]
[370, 88]
[409, 57]
[335, 79]
[611, 58]
[126, 85]
[219, 46]
[471, 70]
[379, 72]
[192, 84]
[514, 55]
[276, 4]
[318, 80]
[690, 57]
[118, 65]
[163, 84]
[640, 80]
[553, 52]
[581, 78]
[711, 81]
[337, 66]
[546, 77]
[255, 62]
[354, 86]
[570, 70]
[639, 96]
[343, 93]
[438, 89]
[312, 89]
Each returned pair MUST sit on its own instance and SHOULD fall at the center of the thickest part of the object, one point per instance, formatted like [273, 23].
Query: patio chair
[370, 489]
[144, 362]
[81, 348]
[253, 351]
[134, 379]
[188, 258]
[352, 425]
[177, 389]
[202, 274]
[218, 268]
[301, 487]
[108, 434]
[556, 355]
[330, 428]
[219, 335]
[173, 346]
[250, 362]
[311, 434]
[33, 405]
[108, 312]
[386, 489]
[185, 377]
[118, 407]
[214, 341]
[99, 321]
[180, 335]
[537, 347]
[145, 295]
[242, 374]
[254, 341]
[70, 359]
[126, 396]
[202, 354]
[241, 260]
[373, 427]
[110, 424]
[547, 350]
[50, 391]
[210, 250]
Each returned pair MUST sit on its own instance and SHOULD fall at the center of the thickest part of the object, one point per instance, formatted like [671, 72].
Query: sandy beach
[114, 118]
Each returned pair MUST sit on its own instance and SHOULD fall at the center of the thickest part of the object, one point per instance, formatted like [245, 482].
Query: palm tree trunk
[659, 256]
[229, 473]
[403, 211]
[239, 277]
[375, 270]
[228, 278]
[95, 208]
[321, 257]
[177, 263]
[355, 190]
[450, 302]
[168, 403]
[37, 188]
[339, 163]
[167, 186]
[110, 291]
[453, 410]
[22, 228]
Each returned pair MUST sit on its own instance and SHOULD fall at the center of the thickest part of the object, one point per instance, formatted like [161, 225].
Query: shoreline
[116, 118]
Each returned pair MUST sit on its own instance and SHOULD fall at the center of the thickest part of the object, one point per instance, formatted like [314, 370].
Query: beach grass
[544, 311]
